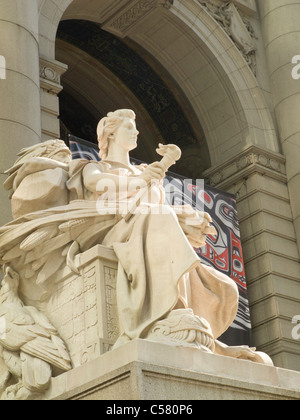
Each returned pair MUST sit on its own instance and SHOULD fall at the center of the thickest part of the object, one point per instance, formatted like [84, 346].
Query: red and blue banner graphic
[223, 251]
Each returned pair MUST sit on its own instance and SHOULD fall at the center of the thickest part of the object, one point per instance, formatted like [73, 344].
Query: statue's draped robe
[158, 268]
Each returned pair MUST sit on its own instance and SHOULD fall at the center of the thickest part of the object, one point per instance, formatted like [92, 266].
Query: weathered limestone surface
[20, 124]
[143, 370]
[84, 308]
[258, 178]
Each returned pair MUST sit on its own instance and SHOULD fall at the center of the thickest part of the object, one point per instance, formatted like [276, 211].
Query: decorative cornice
[246, 6]
[47, 73]
[251, 160]
[124, 20]
[230, 16]
[50, 74]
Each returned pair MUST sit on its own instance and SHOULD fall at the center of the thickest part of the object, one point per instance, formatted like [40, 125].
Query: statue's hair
[47, 149]
[108, 126]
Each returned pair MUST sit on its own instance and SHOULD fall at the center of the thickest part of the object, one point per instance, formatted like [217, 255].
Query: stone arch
[215, 77]
[50, 14]
[101, 91]
[198, 54]
[105, 73]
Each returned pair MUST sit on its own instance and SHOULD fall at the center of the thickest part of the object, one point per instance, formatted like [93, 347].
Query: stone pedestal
[83, 309]
[50, 74]
[83, 306]
[258, 179]
[144, 370]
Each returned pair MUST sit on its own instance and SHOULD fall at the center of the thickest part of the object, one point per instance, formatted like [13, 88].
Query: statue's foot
[182, 328]
[243, 352]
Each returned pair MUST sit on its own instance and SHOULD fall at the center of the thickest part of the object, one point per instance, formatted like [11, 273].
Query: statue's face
[127, 134]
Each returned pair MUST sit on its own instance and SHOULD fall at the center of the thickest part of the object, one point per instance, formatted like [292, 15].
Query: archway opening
[197, 61]
[106, 73]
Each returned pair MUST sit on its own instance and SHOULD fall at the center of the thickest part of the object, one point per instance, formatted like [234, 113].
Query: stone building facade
[220, 76]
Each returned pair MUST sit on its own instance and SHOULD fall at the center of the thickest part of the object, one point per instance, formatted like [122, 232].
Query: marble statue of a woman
[163, 291]
[158, 268]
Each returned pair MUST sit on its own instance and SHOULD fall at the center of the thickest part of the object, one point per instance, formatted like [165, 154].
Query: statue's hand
[243, 352]
[240, 352]
[153, 173]
[195, 224]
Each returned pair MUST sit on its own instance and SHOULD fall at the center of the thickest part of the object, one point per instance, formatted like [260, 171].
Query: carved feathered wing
[36, 373]
[38, 340]
[4, 372]
[41, 244]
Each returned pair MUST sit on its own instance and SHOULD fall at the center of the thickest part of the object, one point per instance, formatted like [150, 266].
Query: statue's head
[109, 126]
[51, 149]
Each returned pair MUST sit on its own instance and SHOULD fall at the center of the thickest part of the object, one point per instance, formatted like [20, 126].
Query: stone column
[258, 179]
[20, 114]
[281, 32]
[50, 75]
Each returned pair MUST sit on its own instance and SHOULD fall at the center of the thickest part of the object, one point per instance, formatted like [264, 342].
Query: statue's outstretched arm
[99, 182]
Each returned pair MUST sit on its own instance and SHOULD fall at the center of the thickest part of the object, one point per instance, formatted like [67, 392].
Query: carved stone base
[83, 307]
[144, 370]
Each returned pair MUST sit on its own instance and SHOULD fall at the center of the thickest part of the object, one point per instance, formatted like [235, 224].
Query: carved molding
[182, 328]
[110, 279]
[252, 160]
[124, 21]
[50, 74]
[230, 15]
[246, 6]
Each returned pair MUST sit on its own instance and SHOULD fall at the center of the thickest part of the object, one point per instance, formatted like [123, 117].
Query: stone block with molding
[83, 306]
[144, 370]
